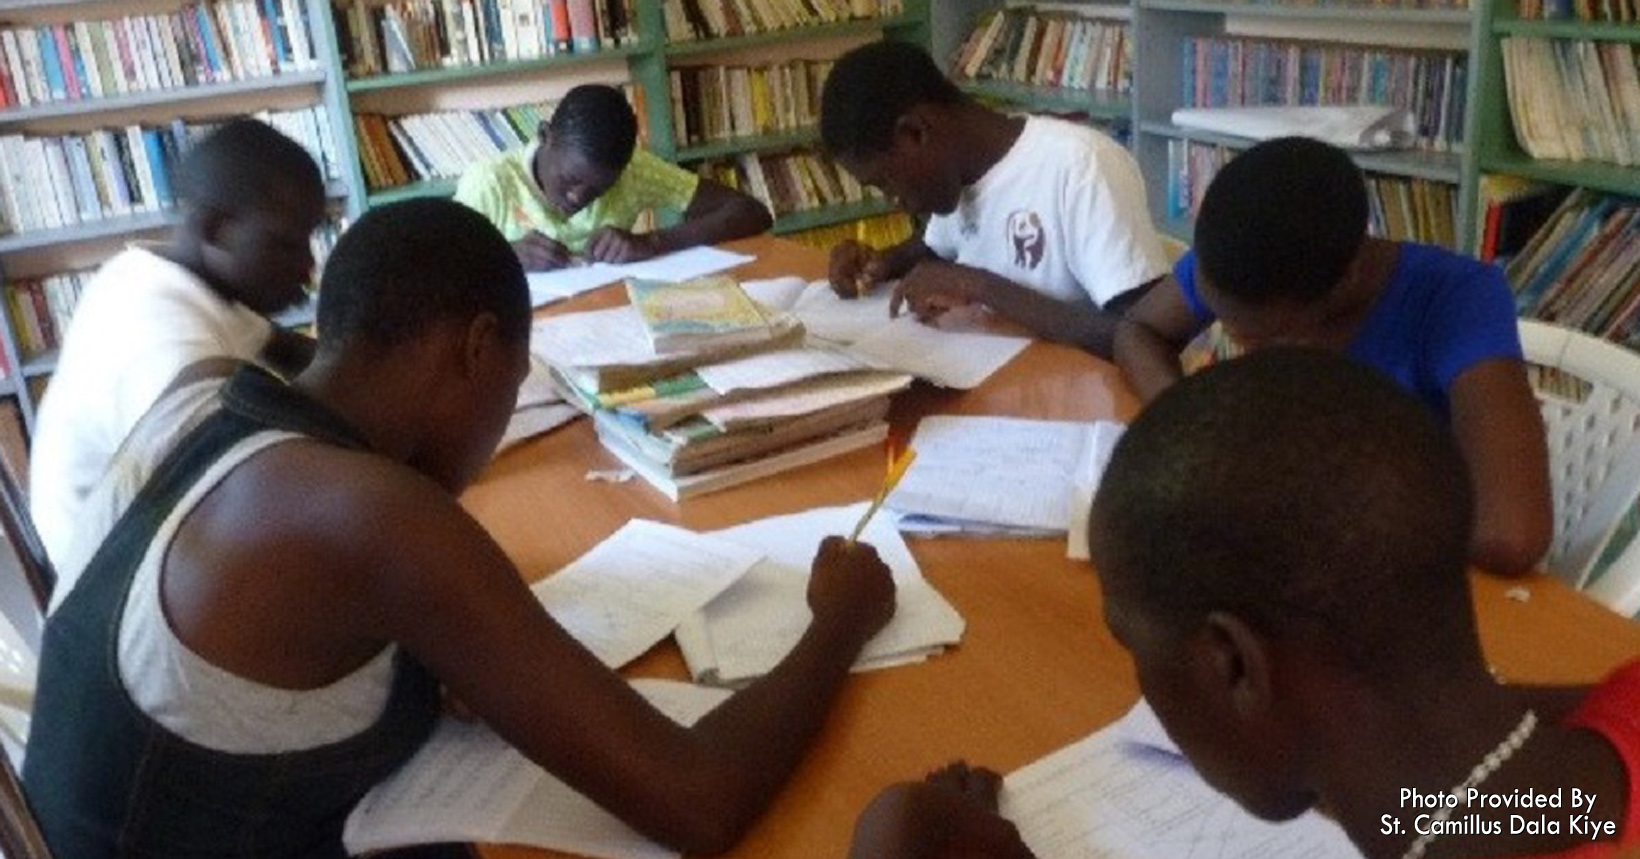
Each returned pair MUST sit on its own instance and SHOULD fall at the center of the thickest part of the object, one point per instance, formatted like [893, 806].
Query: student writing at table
[265, 631]
[251, 199]
[1281, 542]
[576, 192]
[1282, 256]
[1041, 220]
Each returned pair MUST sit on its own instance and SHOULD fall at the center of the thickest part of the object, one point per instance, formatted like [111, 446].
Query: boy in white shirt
[1043, 221]
[251, 199]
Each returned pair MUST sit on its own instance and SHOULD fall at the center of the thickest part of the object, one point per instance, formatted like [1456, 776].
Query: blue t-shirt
[1439, 315]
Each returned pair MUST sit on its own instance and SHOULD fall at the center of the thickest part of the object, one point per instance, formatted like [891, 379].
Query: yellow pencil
[896, 469]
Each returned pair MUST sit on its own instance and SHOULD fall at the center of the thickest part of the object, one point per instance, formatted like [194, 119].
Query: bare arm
[717, 213]
[1150, 337]
[1500, 431]
[458, 605]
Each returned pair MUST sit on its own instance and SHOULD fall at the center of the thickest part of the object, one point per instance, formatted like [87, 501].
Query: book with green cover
[690, 315]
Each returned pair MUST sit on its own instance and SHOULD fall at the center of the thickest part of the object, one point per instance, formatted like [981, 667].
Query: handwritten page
[632, 590]
[950, 359]
[747, 630]
[992, 470]
[550, 286]
[467, 784]
[596, 338]
[774, 369]
[1085, 484]
[1125, 793]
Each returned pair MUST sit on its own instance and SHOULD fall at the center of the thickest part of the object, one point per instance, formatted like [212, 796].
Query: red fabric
[1612, 710]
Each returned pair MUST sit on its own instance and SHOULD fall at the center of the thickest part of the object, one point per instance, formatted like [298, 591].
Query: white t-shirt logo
[1028, 237]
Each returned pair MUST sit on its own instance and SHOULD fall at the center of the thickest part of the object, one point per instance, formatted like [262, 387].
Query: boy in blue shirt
[1282, 257]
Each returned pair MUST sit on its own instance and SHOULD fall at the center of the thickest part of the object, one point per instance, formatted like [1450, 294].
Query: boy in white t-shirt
[1043, 221]
[251, 199]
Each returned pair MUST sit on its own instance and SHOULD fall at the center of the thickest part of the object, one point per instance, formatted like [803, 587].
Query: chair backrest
[1590, 399]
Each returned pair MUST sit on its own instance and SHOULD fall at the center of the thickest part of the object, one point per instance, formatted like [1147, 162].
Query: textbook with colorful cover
[706, 312]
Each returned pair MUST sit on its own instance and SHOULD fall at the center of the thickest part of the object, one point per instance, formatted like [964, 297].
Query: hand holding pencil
[896, 468]
[856, 269]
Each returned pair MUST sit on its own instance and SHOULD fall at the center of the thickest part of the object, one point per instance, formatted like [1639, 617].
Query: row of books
[402, 149]
[1582, 268]
[1610, 11]
[878, 231]
[788, 182]
[62, 180]
[201, 43]
[719, 102]
[1024, 46]
[409, 35]
[1236, 72]
[1401, 209]
[39, 310]
[1574, 100]
[688, 20]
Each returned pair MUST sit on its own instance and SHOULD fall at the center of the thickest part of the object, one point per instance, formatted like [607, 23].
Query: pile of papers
[558, 284]
[698, 420]
[749, 628]
[540, 408]
[951, 357]
[1126, 791]
[1001, 476]
[740, 593]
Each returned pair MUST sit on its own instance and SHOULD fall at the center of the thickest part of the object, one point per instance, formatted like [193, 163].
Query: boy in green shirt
[575, 193]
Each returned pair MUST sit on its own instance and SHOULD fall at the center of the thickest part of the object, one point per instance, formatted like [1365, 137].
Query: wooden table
[1036, 668]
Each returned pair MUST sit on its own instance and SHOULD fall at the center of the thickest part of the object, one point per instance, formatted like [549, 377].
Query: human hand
[856, 269]
[613, 244]
[536, 252]
[850, 585]
[978, 784]
[935, 286]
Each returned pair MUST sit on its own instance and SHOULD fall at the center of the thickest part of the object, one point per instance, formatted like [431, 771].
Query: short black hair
[1305, 494]
[870, 88]
[241, 165]
[405, 266]
[597, 121]
[1282, 221]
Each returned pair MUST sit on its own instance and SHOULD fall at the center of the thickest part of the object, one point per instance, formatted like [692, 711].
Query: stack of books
[719, 102]
[692, 409]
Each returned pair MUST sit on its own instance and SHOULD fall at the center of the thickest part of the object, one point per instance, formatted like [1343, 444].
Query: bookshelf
[202, 63]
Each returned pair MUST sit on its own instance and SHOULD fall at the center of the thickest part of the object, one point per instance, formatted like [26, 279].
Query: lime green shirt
[503, 189]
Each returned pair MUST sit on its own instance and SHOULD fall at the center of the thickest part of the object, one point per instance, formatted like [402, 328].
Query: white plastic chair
[1593, 426]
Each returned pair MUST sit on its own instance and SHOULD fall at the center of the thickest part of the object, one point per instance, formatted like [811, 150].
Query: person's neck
[990, 136]
[1427, 738]
[371, 401]
[1355, 302]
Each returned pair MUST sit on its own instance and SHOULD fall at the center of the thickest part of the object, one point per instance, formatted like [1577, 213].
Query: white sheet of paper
[632, 590]
[774, 369]
[1117, 795]
[754, 624]
[550, 286]
[1085, 484]
[775, 293]
[950, 359]
[826, 315]
[467, 784]
[537, 388]
[531, 421]
[987, 469]
[596, 338]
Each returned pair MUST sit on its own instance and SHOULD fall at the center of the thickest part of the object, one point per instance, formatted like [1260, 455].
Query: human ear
[481, 339]
[1239, 659]
[912, 127]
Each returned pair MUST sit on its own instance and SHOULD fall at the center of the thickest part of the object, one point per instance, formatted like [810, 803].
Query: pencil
[897, 466]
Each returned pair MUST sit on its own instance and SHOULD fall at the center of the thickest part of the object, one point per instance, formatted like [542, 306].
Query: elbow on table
[710, 815]
[1511, 552]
